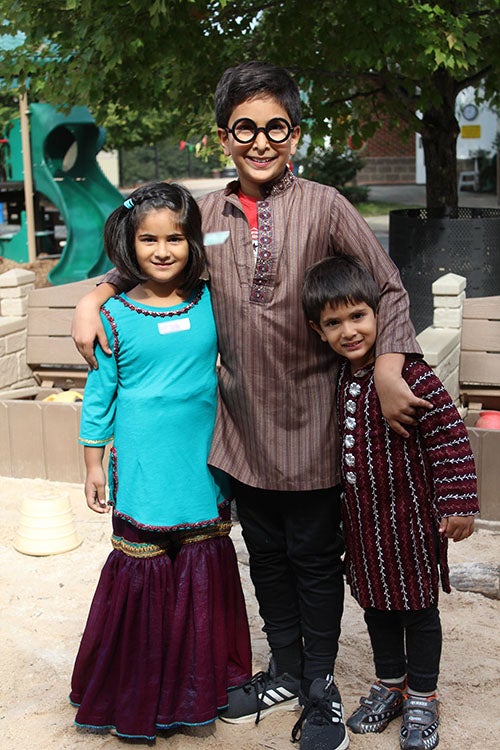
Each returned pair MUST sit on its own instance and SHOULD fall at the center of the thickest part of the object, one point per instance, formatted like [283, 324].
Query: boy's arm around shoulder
[86, 327]
[399, 405]
[350, 234]
[396, 336]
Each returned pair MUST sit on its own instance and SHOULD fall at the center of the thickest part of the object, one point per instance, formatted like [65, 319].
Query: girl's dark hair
[337, 280]
[253, 79]
[121, 227]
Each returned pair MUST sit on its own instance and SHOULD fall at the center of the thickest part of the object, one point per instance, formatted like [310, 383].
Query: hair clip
[129, 203]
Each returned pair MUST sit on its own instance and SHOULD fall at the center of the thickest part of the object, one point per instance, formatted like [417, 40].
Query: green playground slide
[65, 170]
[83, 253]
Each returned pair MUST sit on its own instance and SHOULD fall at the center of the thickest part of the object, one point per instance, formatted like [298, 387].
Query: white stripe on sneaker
[272, 696]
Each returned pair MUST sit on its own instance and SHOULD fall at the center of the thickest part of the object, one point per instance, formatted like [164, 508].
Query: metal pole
[498, 172]
[28, 176]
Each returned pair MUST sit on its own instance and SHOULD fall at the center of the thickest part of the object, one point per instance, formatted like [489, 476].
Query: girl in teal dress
[167, 634]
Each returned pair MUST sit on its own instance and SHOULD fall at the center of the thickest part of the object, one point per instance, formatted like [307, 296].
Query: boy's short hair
[337, 280]
[251, 79]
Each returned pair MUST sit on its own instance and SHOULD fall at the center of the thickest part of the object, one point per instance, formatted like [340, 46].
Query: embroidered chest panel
[263, 275]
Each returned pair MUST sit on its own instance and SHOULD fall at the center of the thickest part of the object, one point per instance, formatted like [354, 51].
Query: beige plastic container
[46, 525]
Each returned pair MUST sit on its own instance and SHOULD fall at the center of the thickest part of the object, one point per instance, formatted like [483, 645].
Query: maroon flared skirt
[166, 636]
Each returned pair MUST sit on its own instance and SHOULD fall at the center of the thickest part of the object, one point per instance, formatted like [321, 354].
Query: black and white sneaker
[321, 725]
[419, 728]
[264, 693]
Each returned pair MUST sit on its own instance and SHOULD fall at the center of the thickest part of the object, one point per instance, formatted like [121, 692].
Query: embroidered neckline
[162, 313]
[285, 182]
[281, 185]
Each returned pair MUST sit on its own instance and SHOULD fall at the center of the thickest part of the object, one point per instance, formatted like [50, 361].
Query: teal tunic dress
[167, 633]
[155, 399]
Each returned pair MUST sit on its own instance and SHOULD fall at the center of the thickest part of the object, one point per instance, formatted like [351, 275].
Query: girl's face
[161, 248]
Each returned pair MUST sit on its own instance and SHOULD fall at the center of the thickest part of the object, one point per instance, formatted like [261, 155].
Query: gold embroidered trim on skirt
[174, 540]
[138, 549]
[190, 537]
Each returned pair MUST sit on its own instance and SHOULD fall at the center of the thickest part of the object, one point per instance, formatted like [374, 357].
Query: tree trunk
[439, 140]
[440, 154]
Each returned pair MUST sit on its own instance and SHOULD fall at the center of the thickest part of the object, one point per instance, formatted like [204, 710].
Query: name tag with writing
[173, 326]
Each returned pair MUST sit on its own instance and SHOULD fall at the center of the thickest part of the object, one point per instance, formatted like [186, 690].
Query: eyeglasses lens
[277, 130]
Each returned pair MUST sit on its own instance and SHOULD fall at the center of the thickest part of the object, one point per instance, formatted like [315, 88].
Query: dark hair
[121, 227]
[252, 79]
[337, 280]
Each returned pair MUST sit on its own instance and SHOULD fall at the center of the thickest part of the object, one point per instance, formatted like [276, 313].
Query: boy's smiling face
[260, 161]
[351, 331]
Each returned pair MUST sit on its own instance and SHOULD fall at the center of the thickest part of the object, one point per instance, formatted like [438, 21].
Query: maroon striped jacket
[396, 490]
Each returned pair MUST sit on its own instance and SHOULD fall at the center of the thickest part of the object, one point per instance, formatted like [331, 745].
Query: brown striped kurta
[275, 426]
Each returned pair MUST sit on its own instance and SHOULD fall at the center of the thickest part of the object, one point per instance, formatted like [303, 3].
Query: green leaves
[149, 70]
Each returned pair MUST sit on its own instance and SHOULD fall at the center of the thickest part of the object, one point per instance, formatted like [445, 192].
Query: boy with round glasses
[275, 432]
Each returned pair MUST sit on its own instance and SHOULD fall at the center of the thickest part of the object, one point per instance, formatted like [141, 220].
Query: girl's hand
[399, 405]
[95, 490]
[457, 527]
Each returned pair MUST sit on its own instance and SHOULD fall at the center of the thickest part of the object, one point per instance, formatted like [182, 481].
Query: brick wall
[388, 159]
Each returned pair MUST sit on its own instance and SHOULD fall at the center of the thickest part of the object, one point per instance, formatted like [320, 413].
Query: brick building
[388, 159]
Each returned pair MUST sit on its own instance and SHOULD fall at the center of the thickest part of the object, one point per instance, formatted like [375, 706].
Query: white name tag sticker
[215, 238]
[173, 326]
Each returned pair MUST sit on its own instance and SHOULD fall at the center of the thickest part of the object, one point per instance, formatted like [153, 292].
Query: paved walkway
[408, 195]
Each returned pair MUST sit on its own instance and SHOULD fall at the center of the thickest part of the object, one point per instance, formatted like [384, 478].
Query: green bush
[338, 168]
[165, 161]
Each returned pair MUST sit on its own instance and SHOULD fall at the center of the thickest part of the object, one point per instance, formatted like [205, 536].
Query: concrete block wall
[386, 170]
[15, 286]
[441, 342]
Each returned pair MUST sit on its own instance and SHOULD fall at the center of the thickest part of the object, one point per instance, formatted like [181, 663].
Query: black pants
[407, 643]
[295, 547]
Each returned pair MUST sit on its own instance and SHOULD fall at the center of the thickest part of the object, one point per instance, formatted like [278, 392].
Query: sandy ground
[44, 603]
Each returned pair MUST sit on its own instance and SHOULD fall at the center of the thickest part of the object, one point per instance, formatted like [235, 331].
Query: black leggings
[295, 547]
[406, 643]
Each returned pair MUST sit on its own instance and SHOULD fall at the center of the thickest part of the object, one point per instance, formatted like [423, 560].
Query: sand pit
[44, 603]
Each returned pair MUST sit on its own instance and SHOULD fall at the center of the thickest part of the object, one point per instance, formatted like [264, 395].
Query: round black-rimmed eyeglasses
[245, 130]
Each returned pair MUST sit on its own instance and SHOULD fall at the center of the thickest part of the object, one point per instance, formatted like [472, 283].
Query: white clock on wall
[470, 112]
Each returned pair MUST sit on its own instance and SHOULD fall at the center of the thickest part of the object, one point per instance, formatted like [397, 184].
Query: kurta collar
[284, 183]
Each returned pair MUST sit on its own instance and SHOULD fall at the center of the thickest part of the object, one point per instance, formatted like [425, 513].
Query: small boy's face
[260, 161]
[350, 330]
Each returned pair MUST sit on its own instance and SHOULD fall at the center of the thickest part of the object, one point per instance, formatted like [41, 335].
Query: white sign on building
[478, 130]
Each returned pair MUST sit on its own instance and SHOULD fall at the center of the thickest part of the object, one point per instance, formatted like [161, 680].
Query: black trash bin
[427, 243]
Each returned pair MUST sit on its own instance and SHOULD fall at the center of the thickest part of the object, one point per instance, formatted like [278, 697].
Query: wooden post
[28, 176]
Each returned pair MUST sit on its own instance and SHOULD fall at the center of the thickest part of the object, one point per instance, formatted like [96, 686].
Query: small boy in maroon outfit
[403, 499]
